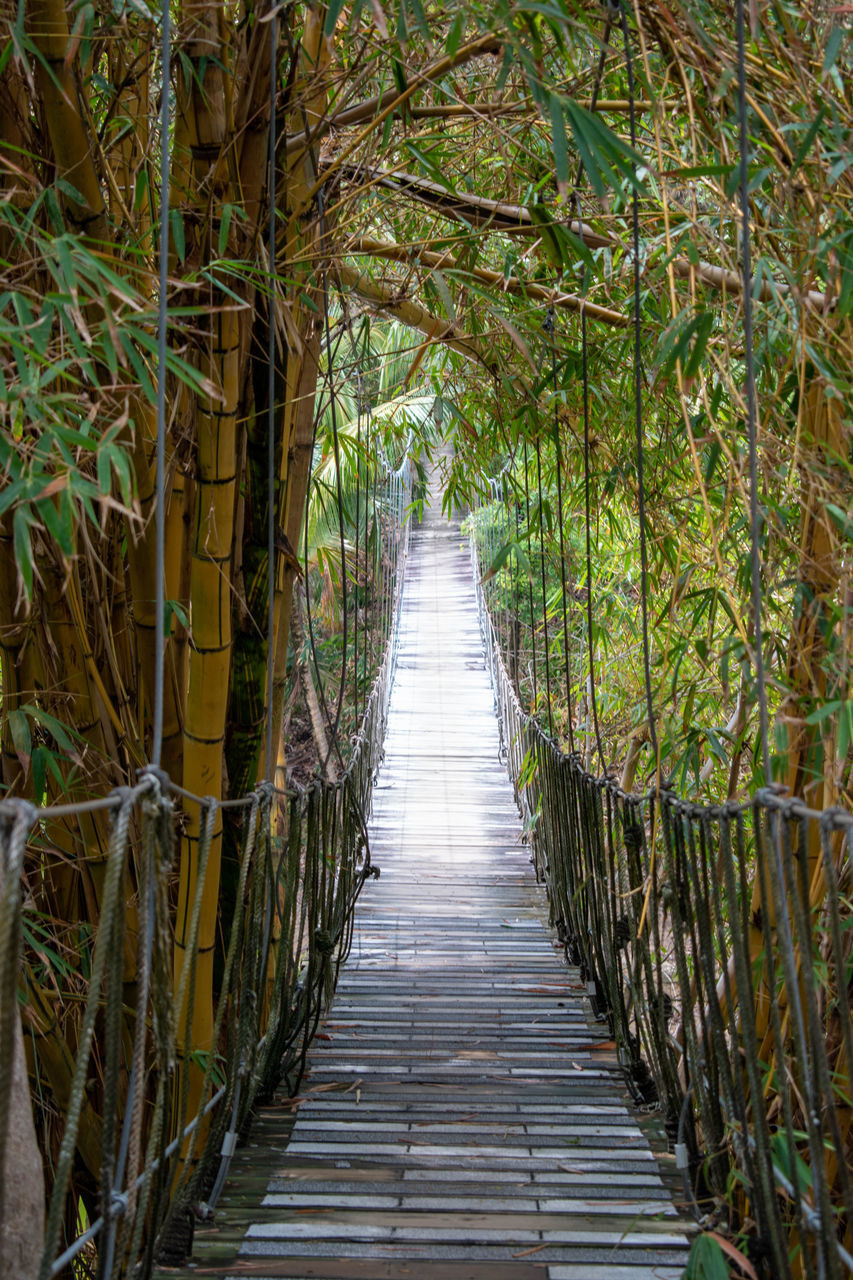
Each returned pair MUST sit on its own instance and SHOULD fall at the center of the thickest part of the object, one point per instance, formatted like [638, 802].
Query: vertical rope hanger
[271, 492]
[586, 485]
[790, 964]
[544, 592]
[593, 699]
[336, 447]
[162, 321]
[530, 582]
[549, 327]
[751, 412]
[334, 726]
[638, 397]
[357, 528]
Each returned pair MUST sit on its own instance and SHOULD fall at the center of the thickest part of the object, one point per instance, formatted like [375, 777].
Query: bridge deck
[463, 1117]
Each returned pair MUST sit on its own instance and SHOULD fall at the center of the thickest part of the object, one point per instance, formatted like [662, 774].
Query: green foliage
[707, 1260]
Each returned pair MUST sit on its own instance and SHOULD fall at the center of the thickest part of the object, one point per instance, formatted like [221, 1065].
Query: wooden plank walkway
[463, 1117]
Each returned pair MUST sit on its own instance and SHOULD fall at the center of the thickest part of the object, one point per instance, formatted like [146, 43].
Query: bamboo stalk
[415, 316]
[297, 487]
[48, 27]
[51, 1058]
[490, 110]
[209, 664]
[495, 279]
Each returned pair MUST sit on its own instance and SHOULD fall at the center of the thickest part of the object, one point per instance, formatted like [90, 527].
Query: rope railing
[304, 859]
[737, 1027]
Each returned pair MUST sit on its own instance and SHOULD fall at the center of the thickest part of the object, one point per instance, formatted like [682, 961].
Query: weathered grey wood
[463, 1116]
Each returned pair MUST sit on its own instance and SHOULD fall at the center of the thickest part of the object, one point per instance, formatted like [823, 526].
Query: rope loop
[324, 941]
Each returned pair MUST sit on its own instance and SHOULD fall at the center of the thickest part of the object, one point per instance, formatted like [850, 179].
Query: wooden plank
[479, 1126]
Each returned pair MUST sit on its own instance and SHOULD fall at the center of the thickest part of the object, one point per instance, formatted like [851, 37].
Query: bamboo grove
[467, 173]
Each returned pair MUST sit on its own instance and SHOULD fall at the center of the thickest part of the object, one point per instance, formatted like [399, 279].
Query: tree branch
[444, 261]
[513, 219]
[384, 104]
[516, 220]
[413, 315]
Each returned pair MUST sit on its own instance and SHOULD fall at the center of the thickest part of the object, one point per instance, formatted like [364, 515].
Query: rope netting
[732, 1018]
[172, 1116]
[712, 938]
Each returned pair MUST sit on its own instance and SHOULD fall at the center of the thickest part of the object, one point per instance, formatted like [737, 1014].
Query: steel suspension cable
[751, 409]
[336, 447]
[373, 454]
[559, 462]
[271, 486]
[593, 700]
[544, 592]
[321, 693]
[782, 881]
[162, 323]
[357, 528]
[530, 583]
[638, 399]
[612, 7]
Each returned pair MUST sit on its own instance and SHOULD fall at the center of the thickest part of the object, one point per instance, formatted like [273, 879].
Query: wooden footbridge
[463, 1115]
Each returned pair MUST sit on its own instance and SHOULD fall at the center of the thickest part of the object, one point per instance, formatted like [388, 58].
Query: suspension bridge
[465, 1007]
[530, 1066]
[463, 1113]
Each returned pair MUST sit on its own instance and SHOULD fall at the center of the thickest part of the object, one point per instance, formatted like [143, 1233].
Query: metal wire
[690, 961]
[638, 397]
[751, 407]
[272, 513]
[336, 446]
[544, 594]
[328, 828]
[590, 635]
[558, 454]
[162, 322]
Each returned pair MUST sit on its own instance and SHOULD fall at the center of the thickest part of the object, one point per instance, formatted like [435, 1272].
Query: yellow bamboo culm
[207, 697]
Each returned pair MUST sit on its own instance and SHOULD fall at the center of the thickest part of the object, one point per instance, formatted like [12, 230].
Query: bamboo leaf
[833, 47]
[22, 523]
[585, 145]
[332, 14]
[19, 728]
[176, 222]
[224, 228]
[63, 733]
[805, 146]
[454, 36]
[509, 548]
[707, 1260]
[429, 165]
[559, 145]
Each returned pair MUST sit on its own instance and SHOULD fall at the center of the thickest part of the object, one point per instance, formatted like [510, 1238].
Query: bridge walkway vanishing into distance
[463, 1116]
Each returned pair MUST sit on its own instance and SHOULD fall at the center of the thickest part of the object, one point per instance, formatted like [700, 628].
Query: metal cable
[558, 451]
[272, 513]
[591, 683]
[751, 402]
[357, 547]
[544, 592]
[335, 728]
[530, 583]
[698, 902]
[591, 686]
[162, 321]
[638, 398]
